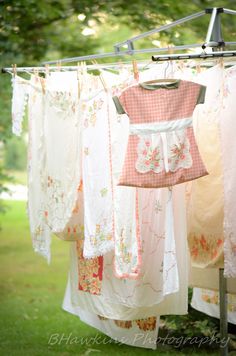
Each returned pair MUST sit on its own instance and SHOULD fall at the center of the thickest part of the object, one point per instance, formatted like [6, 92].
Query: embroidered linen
[61, 178]
[97, 174]
[208, 278]
[162, 150]
[134, 299]
[40, 231]
[139, 332]
[206, 207]
[207, 301]
[54, 173]
[227, 135]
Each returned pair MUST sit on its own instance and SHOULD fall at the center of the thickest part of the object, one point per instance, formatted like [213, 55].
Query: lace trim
[229, 254]
[101, 251]
[20, 95]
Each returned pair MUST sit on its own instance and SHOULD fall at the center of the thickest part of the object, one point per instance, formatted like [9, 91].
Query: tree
[29, 28]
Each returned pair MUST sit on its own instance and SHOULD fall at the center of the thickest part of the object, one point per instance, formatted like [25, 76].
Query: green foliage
[15, 154]
[4, 177]
[5, 107]
[192, 325]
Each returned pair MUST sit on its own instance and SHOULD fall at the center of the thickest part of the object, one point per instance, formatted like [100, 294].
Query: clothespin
[198, 68]
[59, 66]
[100, 76]
[170, 49]
[221, 62]
[14, 69]
[36, 73]
[43, 84]
[47, 72]
[135, 69]
[78, 79]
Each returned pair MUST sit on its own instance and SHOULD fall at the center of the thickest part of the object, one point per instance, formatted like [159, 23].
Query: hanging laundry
[228, 147]
[208, 278]
[205, 203]
[20, 93]
[162, 150]
[40, 230]
[207, 301]
[61, 177]
[97, 172]
[141, 332]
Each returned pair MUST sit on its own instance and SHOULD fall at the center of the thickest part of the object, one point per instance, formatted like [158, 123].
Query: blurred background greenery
[32, 31]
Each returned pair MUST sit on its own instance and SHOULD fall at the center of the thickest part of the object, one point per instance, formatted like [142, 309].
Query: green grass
[31, 297]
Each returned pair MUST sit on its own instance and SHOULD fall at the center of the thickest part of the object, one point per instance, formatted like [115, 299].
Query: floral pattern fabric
[152, 156]
[205, 201]
[90, 271]
[207, 301]
[97, 174]
[227, 139]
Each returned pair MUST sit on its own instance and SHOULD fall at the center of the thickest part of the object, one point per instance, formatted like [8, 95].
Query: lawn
[31, 297]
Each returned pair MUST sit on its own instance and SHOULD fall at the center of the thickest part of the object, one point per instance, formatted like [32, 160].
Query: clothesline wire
[208, 60]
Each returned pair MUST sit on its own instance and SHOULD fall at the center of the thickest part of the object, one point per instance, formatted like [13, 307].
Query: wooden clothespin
[47, 72]
[43, 84]
[170, 49]
[79, 79]
[14, 70]
[100, 75]
[135, 69]
[36, 73]
[59, 66]
[198, 68]
[221, 62]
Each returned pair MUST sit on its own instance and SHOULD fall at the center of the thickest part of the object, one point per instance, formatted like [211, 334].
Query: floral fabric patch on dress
[167, 151]
[150, 156]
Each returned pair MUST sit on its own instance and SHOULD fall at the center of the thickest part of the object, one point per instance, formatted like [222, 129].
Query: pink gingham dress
[161, 150]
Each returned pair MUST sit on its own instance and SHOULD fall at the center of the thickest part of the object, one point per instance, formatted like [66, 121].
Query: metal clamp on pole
[117, 48]
[214, 34]
[130, 47]
[213, 44]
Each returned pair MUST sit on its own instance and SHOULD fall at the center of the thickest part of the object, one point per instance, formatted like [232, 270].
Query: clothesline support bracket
[214, 34]
[213, 39]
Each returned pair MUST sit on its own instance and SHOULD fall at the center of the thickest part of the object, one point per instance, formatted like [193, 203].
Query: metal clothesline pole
[223, 313]
[161, 28]
[207, 57]
[203, 55]
[214, 32]
[122, 53]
